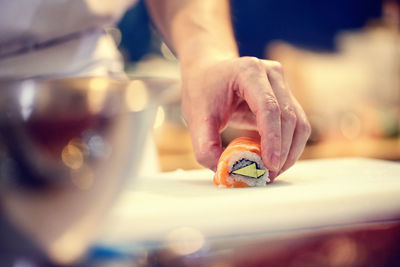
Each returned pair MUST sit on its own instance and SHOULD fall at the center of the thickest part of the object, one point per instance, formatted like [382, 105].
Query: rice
[240, 165]
[243, 158]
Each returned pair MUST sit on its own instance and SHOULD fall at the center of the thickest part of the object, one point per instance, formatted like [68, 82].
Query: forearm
[197, 30]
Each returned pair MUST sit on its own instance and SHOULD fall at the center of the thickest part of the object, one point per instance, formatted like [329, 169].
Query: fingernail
[276, 160]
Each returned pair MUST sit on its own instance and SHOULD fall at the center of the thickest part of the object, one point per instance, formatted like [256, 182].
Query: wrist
[199, 53]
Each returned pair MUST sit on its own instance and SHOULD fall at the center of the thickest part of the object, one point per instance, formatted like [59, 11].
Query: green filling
[250, 171]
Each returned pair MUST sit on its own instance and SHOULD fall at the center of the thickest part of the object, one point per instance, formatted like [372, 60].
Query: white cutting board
[312, 194]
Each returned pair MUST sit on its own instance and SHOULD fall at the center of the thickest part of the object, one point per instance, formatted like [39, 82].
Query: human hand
[249, 93]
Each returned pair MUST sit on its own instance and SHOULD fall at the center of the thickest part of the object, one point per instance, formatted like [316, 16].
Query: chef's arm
[219, 87]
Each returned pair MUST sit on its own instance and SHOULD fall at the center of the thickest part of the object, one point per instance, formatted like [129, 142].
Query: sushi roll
[240, 165]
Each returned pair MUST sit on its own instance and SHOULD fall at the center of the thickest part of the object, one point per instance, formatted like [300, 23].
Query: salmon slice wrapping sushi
[240, 165]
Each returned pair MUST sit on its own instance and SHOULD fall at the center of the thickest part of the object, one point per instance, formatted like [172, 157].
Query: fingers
[288, 117]
[252, 92]
[300, 137]
[254, 87]
[287, 108]
[281, 122]
[206, 141]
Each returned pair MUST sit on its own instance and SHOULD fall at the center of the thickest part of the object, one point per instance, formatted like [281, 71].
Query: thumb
[206, 141]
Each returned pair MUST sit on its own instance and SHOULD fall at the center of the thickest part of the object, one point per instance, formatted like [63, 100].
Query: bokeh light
[185, 240]
[72, 156]
[97, 94]
[160, 118]
[83, 178]
[136, 96]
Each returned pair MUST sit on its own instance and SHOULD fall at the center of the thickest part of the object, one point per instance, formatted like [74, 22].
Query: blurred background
[342, 60]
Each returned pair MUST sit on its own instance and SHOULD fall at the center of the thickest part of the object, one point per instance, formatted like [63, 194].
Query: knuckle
[276, 66]
[305, 128]
[250, 63]
[271, 105]
[288, 114]
[273, 136]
